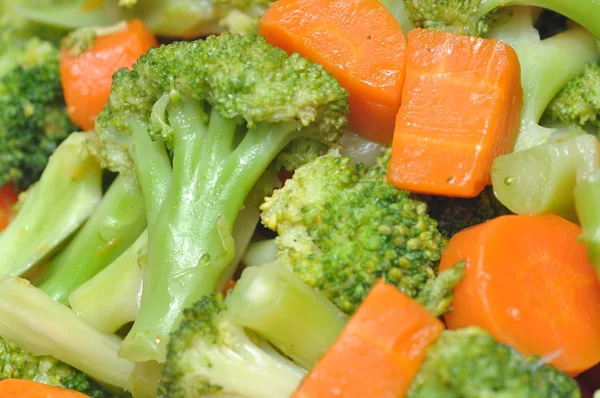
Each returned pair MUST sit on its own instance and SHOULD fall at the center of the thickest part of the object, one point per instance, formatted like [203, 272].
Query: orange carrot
[228, 286]
[461, 105]
[16, 388]
[8, 198]
[529, 283]
[86, 78]
[378, 353]
[359, 42]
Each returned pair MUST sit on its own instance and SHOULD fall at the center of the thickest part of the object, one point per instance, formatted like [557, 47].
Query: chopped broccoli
[224, 108]
[587, 199]
[341, 227]
[455, 214]
[33, 120]
[16, 363]
[211, 356]
[579, 101]
[398, 10]
[469, 363]
[474, 17]
[55, 207]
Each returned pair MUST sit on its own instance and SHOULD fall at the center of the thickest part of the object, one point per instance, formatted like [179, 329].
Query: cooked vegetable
[379, 351]
[460, 109]
[8, 198]
[527, 282]
[88, 60]
[357, 40]
[62, 14]
[587, 205]
[32, 389]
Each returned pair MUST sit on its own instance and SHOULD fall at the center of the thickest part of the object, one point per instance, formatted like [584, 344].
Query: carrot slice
[529, 283]
[379, 352]
[359, 42]
[460, 109]
[14, 388]
[86, 78]
[8, 198]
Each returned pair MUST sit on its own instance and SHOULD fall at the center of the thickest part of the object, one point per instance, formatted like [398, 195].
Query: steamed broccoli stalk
[16, 363]
[341, 227]
[469, 363]
[114, 225]
[275, 303]
[191, 18]
[33, 120]
[579, 101]
[210, 355]
[55, 207]
[455, 214]
[60, 14]
[587, 205]
[224, 107]
[475, 17]
[546, 66]
[39, 325]
[260, 252]
[398, 10]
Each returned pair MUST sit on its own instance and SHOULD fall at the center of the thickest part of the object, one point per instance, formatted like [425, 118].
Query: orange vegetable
[16, 388]
[228, 286]
[359, 42]
[529, 283]
[379, 351]
[460, 109]
[86, 78]
[8, 198]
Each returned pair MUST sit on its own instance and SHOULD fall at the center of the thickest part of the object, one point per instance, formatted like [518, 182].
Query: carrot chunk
[378, 353]
[460, 109]
[359, 42]
[13, 388]
[529, 283]
[8, 198]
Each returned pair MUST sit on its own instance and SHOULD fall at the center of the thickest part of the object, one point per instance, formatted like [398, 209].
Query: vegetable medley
[299, 198]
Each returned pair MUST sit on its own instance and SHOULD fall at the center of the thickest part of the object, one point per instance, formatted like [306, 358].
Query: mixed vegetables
[299, 198]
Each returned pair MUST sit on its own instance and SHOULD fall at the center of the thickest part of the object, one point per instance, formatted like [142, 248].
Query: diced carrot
[359, 42]
[460, 109]
[228, 286]
[86, 78]
[8, 198]
[529, 283]
[16, 388]
[378, 353]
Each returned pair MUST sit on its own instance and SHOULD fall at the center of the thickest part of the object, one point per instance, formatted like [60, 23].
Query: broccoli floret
[55, 207]
[469, 363]
[211, 356]
[33, 120]
[16, 363]
[224, 108]
[341, 227]
[579, 101]
[455, 214]
[474, 17]
[192, 18]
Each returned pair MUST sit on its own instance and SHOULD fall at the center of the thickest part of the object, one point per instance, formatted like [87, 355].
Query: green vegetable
[398, 10]
[587, 205]
[224, 107]
[55, 207]
[469, 363]
[275, 303]
[61, 14]
[18, 364]
[209, 356]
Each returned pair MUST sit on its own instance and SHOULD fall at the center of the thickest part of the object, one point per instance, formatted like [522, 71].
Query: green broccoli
[469, 363]
[341, 227]
[55, 207]
[398, 10]
[16, 363]
[579, 101]
[224, 108]
[209, 355]
[33, 120]
[587, 199]
[475, 17]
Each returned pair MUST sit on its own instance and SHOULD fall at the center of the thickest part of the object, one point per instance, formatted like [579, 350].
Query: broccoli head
[33, 120]
[211, 356]
[341, 227]
[18, 364]
[222, 109]
[469, 363]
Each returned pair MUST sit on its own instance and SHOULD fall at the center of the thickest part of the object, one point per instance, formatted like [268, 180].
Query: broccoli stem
[587, 203]
[66, 194]
[275, 303]
[33, 321]
[190, 244]
[116, 223]
[260, 252]
[62, 14]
